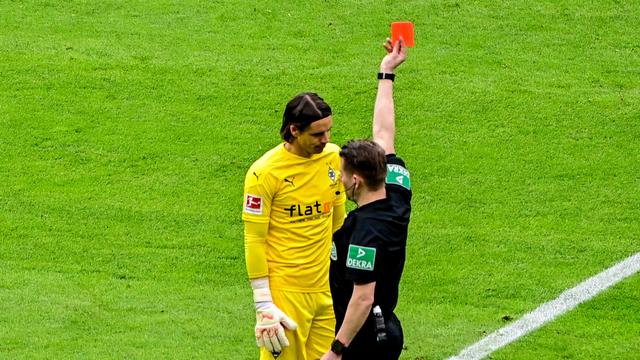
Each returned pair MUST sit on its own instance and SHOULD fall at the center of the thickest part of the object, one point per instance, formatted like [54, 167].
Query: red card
[402, 29]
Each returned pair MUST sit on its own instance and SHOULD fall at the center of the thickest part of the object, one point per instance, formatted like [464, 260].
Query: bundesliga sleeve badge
[253, 204]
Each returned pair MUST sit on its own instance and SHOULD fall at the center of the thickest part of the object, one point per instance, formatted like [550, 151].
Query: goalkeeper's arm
[269, 319]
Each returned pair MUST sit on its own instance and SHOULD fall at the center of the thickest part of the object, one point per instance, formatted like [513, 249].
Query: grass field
[126, 128]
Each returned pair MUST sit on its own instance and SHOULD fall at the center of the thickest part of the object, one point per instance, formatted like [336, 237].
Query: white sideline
[546, 312]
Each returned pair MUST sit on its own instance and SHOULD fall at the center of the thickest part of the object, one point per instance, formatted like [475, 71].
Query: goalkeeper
[293, 202]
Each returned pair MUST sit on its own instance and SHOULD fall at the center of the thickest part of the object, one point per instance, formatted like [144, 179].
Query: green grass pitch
[126, 128]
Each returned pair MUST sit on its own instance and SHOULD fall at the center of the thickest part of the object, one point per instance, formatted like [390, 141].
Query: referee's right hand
[396, 55]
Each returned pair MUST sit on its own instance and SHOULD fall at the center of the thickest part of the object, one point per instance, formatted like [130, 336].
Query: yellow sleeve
[255, 249]
[339, 210]
[339, 213]
[258, 193]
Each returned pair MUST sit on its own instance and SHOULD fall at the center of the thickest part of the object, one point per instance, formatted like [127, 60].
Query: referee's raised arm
[384, 127]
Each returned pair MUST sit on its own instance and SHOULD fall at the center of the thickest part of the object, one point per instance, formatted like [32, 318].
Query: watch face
[337, 347]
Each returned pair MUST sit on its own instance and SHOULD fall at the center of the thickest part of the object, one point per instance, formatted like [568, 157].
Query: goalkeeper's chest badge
[332, 175]
[334, 252]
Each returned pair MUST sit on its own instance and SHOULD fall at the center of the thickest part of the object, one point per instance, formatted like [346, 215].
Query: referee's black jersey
[371, 246]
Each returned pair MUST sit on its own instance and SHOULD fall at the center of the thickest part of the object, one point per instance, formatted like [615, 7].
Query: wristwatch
[386, 76]
[337, 347]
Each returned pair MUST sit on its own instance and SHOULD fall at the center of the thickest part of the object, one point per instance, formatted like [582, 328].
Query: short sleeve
[397, 173]
[363, 255]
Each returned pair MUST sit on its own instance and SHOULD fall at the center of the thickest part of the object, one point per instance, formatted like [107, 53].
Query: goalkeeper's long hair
[301, 111]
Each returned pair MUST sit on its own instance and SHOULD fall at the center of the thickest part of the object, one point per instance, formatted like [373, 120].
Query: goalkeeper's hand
[269, 319]
[269, 327]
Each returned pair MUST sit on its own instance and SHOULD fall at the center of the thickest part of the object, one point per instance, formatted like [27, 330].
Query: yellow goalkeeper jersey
[296, 197]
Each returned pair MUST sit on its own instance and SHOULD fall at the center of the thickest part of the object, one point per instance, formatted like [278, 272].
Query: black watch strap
[337, 347]
[386, 76]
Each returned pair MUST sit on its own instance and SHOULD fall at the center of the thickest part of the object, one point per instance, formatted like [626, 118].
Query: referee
[369, 250]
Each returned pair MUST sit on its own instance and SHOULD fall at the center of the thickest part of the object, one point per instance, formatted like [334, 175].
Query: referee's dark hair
[301, 111]
[367, 159]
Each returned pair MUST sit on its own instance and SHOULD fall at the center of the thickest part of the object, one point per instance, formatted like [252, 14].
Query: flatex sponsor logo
[304, 210]
[309, 211]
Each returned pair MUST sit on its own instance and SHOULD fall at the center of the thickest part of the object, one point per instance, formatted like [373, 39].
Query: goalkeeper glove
[269, 319]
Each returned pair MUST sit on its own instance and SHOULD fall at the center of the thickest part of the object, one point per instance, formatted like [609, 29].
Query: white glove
[269, 330]
[269, 319]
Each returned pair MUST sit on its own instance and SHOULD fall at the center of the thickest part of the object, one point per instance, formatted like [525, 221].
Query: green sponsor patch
[361, 257]
[398, 175]
[334, 251]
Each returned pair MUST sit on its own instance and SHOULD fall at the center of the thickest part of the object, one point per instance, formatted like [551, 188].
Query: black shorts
[366, 346]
